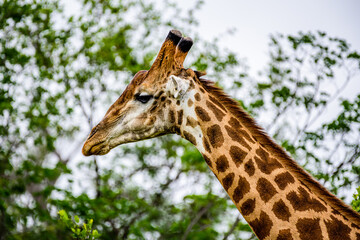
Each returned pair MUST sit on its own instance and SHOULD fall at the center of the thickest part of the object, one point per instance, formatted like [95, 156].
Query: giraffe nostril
[92, 132]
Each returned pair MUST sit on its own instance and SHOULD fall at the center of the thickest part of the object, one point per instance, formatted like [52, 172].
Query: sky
[254, 21]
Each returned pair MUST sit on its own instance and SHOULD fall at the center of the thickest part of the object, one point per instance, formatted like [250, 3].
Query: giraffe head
[147, 107]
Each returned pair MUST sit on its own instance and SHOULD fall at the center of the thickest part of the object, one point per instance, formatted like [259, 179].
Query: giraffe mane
[233, 107]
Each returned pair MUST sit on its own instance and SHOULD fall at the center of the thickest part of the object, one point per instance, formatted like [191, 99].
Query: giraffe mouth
[99, 148]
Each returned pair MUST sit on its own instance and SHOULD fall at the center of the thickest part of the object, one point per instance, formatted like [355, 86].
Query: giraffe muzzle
[99, 148]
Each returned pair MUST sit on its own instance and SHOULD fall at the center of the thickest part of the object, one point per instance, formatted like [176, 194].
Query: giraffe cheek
[150, 121]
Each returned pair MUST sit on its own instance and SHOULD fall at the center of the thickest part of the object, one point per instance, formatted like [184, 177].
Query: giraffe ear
[177, 86]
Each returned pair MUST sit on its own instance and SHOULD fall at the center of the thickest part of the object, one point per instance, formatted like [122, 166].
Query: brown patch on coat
[337, 230]
[188, 136]
[247, 207]
[206, 145]
[302, 201]
[190, 102]
[171, 116]
[357, 236]
[309, 229]
[157, 96]
[266, 163]
[242, 188]
[215, 136]
[228, 181]
[283, 179]
[222, 164]
[197, 97]
[214, 100]
[281, 211]
[217, 112]
[234, 123]
[249, 167]
[207, 160]
[284, 234]
[202, 114]
[262, 225]
[236, 137]
[180, 115]
[237, 155]
[265, 189]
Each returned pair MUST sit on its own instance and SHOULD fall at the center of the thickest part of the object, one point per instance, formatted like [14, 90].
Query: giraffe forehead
[128, 92]
[150, 87]
[151, 84]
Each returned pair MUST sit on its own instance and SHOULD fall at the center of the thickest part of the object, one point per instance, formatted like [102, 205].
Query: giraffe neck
[274, 195]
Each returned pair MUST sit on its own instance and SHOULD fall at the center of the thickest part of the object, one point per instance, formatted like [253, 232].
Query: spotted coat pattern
[274, 202]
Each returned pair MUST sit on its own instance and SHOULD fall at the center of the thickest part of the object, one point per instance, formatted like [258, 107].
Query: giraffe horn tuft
[185, 44]
[175, 36]
[182, 50]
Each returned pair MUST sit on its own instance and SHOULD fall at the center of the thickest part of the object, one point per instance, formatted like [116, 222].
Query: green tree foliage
[60, 71]
[79, 231]
[356, 202]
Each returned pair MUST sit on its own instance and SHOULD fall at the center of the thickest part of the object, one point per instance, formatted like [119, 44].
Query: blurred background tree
[60, 72]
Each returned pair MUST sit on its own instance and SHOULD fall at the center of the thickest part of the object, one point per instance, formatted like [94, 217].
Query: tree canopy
[59, 72]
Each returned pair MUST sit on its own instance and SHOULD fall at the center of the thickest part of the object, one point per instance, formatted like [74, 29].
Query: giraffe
[273, 193]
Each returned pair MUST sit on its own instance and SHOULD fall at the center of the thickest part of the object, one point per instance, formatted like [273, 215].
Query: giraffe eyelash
[143, 98]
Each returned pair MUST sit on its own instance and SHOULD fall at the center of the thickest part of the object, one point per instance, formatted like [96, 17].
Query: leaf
[95, 234]
[76, 218]
[63, 215]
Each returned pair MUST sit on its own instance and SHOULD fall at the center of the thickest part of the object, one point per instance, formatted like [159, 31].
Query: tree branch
[126, 227]
[231, 230]
[97, 179]
[351, 160]
[196, 219]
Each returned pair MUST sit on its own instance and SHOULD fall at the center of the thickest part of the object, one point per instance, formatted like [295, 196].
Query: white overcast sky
[255, 20]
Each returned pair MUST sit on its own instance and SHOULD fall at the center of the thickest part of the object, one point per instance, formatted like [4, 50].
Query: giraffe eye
[143, 98]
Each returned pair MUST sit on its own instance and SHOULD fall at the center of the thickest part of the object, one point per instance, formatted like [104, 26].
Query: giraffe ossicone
[275, 195]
